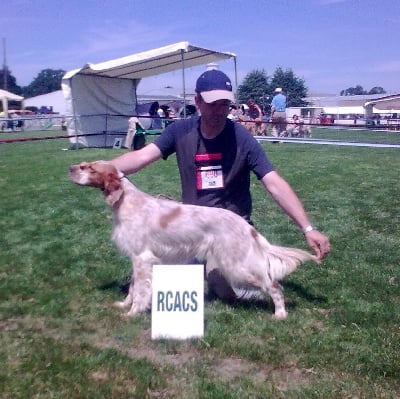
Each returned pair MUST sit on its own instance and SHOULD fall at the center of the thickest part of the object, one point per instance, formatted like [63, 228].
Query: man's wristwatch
[309, 228]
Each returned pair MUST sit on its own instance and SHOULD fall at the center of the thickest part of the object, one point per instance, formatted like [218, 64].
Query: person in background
[256, 117]
[233, 113]
[156, 122]
[244, 117]
[212, 138]
[133, 124]
[64, 123]
[278, 113]
[161, 114]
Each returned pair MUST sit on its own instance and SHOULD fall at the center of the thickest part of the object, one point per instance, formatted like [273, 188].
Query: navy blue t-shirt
[239, 154]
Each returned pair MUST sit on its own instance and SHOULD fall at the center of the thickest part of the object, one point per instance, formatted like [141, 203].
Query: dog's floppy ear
[112, 188]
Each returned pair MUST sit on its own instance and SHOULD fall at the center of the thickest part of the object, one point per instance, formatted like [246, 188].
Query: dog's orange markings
[166, 219]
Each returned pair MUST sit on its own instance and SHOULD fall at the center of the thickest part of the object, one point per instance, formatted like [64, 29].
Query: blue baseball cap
[214, 85]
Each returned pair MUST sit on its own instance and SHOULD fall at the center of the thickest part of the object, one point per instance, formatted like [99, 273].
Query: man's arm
[133, 161]
[288, 200]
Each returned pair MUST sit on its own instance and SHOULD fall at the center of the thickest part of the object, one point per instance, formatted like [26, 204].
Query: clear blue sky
[331, 44]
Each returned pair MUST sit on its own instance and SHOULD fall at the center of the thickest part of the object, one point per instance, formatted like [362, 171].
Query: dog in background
[157, 231]
[297, 128]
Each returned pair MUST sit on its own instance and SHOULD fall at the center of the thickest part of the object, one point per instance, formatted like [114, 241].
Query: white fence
[29, 123]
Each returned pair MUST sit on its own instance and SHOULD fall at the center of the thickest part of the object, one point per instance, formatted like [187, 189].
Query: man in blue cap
[212, 140]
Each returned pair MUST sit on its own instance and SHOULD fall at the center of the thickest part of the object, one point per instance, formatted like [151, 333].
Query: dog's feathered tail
[281, 261]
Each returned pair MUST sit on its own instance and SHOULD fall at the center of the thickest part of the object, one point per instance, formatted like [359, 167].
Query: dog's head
[99, 174]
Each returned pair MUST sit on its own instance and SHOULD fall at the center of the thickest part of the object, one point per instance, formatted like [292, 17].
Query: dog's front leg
[127, 301]
[140, 288]
[275, 292]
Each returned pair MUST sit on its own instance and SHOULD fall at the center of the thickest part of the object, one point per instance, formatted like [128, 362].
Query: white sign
[177, 310]
[117, 143]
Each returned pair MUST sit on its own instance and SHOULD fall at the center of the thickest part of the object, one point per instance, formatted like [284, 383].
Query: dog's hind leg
[275, 292]
[216, 281]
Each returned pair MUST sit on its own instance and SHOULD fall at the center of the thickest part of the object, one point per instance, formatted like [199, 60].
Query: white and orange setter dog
[159, 231]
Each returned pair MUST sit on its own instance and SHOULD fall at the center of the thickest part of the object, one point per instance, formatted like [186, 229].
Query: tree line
[47, 81]
[358, 91]
[256, 84]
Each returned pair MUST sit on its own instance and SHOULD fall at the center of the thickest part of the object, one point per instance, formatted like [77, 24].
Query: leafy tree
[255, 85]
[293, 86]
[259, 86]
[47, 80]
[377, 90]
[12, 86]
[353, 91]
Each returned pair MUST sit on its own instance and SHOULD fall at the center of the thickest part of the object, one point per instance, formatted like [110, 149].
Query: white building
[341, 107]
[349, 110]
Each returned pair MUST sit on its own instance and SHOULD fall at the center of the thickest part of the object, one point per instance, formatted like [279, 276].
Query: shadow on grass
[304, 293]
[263, 304]
[122, 287]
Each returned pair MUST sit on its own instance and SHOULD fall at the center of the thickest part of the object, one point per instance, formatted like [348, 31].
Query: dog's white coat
[157, 231]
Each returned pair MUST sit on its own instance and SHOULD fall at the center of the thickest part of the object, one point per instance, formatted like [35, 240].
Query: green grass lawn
[357, 135]
[62, 338]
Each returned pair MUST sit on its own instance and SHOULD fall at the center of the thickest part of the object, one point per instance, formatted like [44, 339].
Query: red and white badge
[209, 177]
[209, 171]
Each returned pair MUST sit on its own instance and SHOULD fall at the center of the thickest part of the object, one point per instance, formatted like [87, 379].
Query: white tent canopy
[344, 110]
[5, 97]
[388, 104]
[101, 97]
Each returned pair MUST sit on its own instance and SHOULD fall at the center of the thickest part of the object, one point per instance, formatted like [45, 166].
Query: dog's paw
[130, 314]
[281, 315]
[119, 304]
[127, 315]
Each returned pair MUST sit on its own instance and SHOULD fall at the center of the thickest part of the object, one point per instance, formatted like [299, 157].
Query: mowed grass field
[60, 273]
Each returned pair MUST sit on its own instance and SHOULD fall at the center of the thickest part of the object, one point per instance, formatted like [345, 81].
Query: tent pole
[4, 65]
[183, 82]
[5, 107]
[75, 118]
[236, 79]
